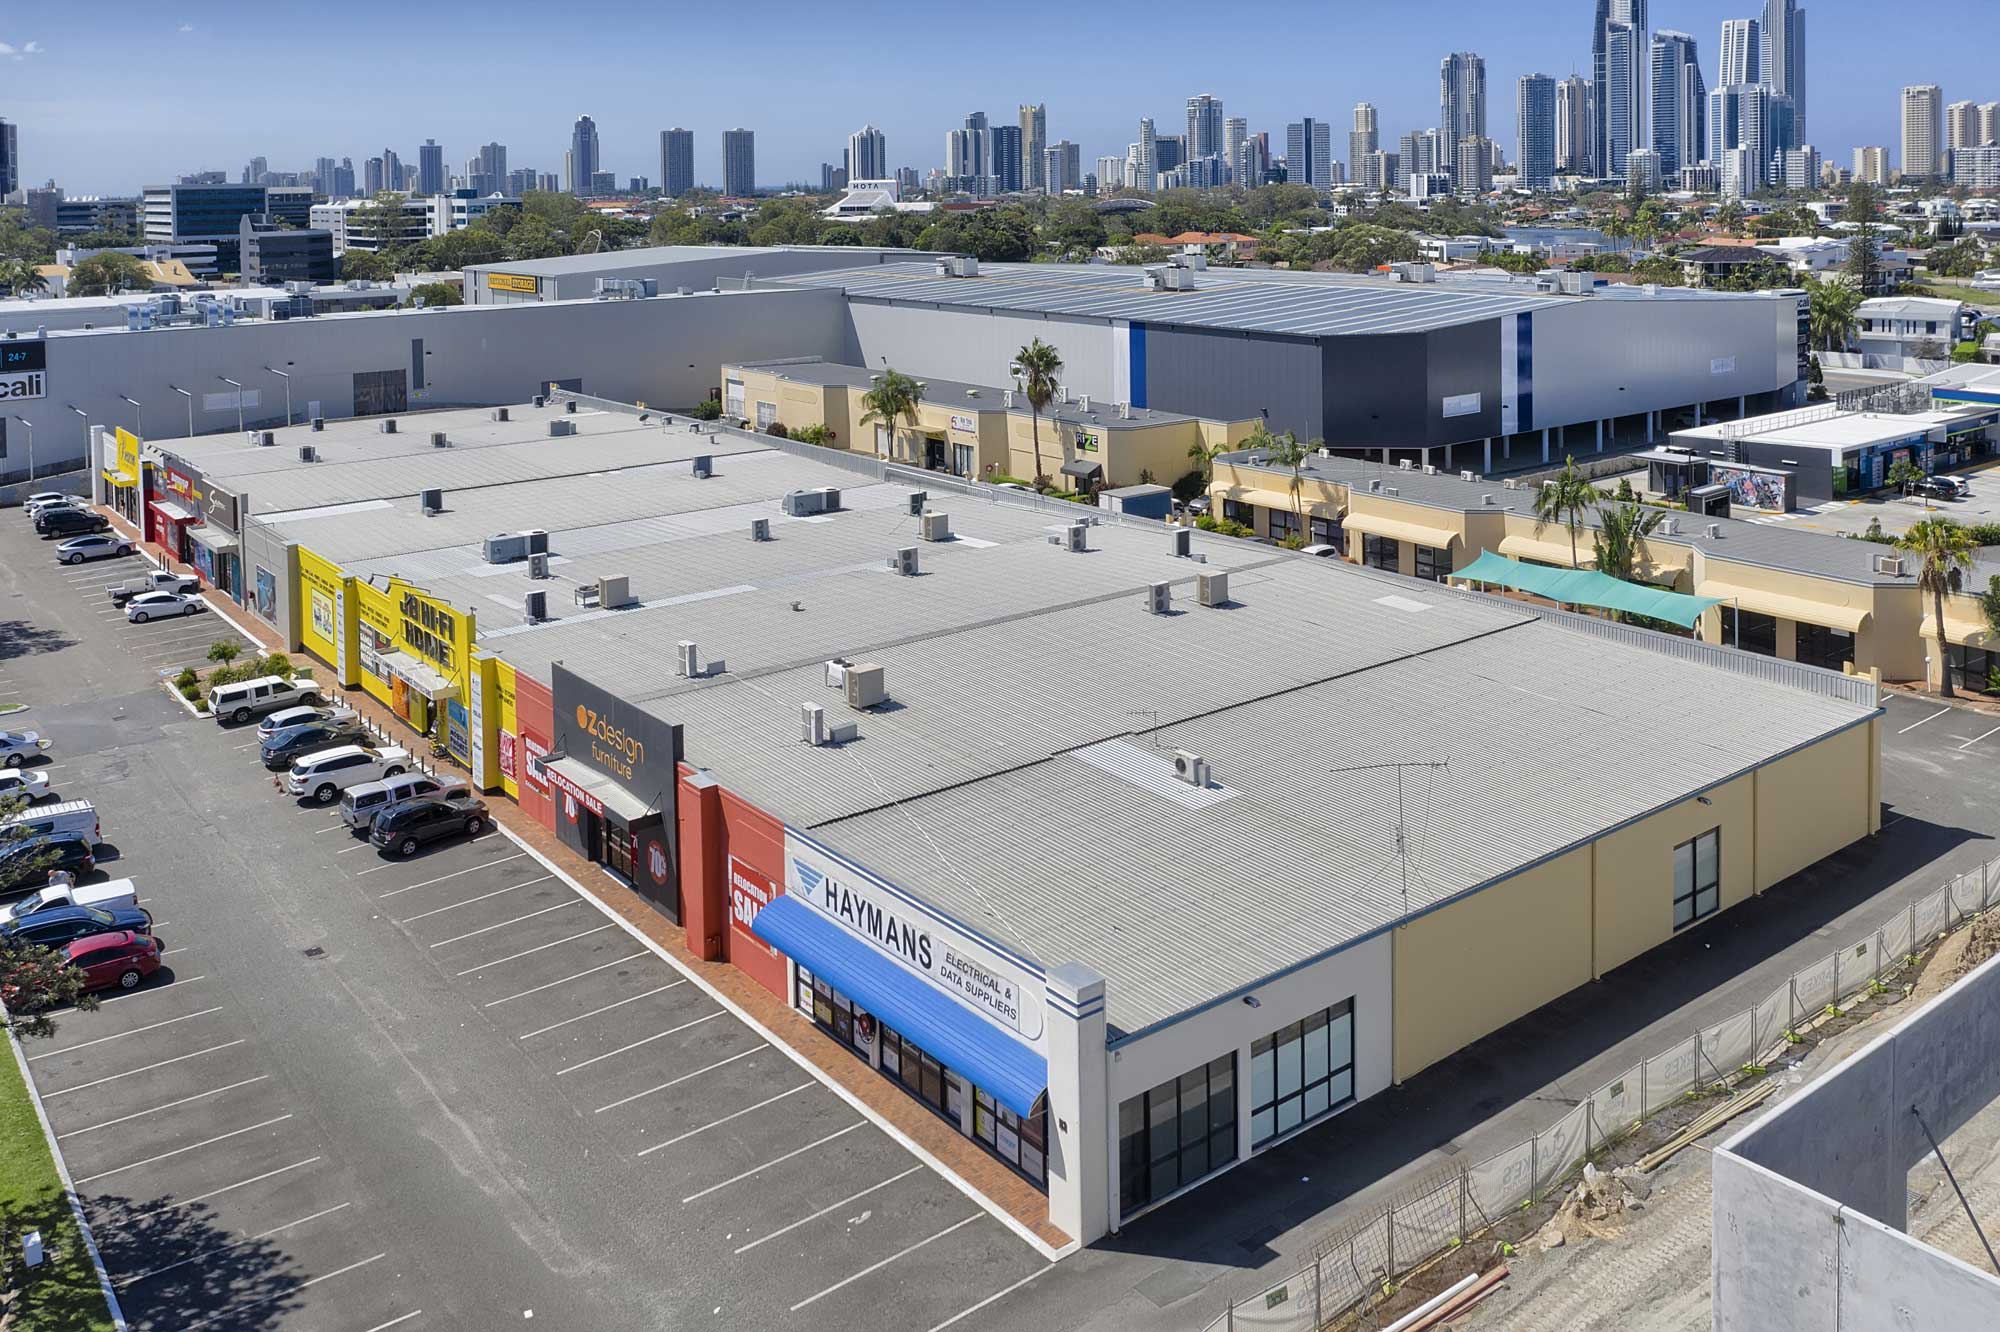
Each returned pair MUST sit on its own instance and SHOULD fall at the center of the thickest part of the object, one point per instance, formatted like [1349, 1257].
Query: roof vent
[687, 660]
[1715, 531]
[387, 425]
[1160, 598]
[904, 561]
[432, 502]
[440, 440]
[934, 527]
[760, 529]
[1191, 768]
[1212, 588]
[704, 467]
[499, 413]
[307, 453]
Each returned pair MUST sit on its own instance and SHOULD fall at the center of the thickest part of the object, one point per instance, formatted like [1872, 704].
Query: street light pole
[29, 426]
[86, 425]
[239, 400]
[138, 416]
[190, 401]
[288, 390]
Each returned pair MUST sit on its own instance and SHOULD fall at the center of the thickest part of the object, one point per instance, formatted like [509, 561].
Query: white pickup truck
[160, 580]
[103, 896]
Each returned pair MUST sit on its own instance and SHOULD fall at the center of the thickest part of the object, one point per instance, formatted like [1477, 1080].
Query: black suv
[405, 828]
[289, 746]
[26, 864]
[70, 522]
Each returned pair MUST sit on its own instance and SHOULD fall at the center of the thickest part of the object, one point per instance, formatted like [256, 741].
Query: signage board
[965, 424]
[627, 744]
[1461, 404]
[222, 508]
[19, 356]
[580, 794]
[976, 974]
[128, 454]
[523, 283]
[20, 388]
[750, 891]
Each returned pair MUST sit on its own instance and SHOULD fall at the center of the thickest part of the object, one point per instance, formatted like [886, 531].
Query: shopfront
[414, 652]
[167, 522]
[217, 547]
[611, 781]
[122, 490]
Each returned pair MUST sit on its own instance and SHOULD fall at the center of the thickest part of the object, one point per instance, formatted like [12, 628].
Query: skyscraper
[1782, 36]
[676, 162]
[1204, 127]
[1871, 165]
[1742, 53]
[1472, 174]
[1364, 138]
[739, 163]
[1961, 125]
[392, 170]
[1034, 147]
[1679, 102]
[10, 158]
[323, 169]
[1989, 122]
[1309, 153]
[343, 179]
[1062, 167]
[958, 154]
[1146, 162]
[1618, 101]
[867, 154]
[372, 177]
[1006, 157]
[1535, 129]
[979, 145]
[1739, 120]
[1234, 131]
[1576, 126]
[1923, 125]
[430, 168]
[583, 160]
[1461, 102]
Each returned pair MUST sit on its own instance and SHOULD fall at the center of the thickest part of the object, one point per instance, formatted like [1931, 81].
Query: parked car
[116, 960]
[1934, 487]
[407, 828]
[324, 775]
[1324, 552]
[159, 580]
[36, 505]
[70, 522]
[62, 925]
[285, 718]
[17, 747]
[24, 784]
[359, 805]
[27, 864]
[1963, 485]
[245, 699]
[77, 818]
[97, 545]
[103, 896]
[294, 743]
[159, 605]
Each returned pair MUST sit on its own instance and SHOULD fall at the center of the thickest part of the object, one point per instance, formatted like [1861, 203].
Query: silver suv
[360, 804]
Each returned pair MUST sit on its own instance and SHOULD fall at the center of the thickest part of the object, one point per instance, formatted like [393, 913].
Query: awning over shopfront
[418, 676]
[1263, 499]
[1010, 1070]
[1082, 469]
[1963, 629]
[176, 510]
[1800, 609]
[1550, 549]
[213, 538]
[1398, 529]
[118, 479]
[599, 794]
[1586, 587]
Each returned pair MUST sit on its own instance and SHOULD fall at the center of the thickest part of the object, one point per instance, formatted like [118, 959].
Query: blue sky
[146, 92]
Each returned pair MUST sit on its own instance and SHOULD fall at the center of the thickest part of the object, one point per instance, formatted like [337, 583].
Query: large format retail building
[1086, 836]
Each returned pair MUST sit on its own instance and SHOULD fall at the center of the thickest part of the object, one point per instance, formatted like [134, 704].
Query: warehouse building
[1811, 455]
[576, 277]
[800, 701]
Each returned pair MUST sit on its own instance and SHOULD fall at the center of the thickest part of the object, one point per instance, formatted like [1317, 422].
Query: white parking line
[396, 1322]
[138, 994]
[254, 1179]
[141, 1114]
[1977, 738]
[171, 951]
[876, 1267]
[726, 1118]
[996, 1296]
[358, 846]
[454, 874]
[780, 1160]
[137, 1277]
[182, 1151]
[567, 979]
[850, 1198]
[310, 1281]
[474, 934]
[151, 1026]
[675, 1082]
[632, 999]
[644, 1040]
[497, 892]
[338, 827]
[144, 1068]
[567, 938]
[1915, 724]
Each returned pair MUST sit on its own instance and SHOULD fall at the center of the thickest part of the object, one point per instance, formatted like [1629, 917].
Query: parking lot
[447, 1091]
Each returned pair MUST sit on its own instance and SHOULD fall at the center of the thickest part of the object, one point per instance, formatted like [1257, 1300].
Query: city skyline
[93, 142]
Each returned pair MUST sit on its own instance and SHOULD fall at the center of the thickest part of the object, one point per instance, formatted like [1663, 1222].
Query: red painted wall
[534, 714]
[732, 863]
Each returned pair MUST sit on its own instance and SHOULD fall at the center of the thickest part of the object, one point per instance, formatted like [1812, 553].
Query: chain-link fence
[1349, 1265]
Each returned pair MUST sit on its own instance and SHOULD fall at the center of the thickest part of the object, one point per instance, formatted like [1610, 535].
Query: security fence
[1349, 1265]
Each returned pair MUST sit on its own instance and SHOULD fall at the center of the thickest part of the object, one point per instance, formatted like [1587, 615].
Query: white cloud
[187, 27]
[9, 51]
[32, 48]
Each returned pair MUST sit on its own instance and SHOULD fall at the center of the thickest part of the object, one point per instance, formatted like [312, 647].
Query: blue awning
[1009, 1070]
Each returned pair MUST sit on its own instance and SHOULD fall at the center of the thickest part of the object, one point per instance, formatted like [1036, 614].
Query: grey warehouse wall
[1232, 376]
[976, 346]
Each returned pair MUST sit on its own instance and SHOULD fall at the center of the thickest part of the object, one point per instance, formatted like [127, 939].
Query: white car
[324, 775]
[286, 718]
[159, 605]
[17, 747]
[16, 784]
[49, 499]
[93, 546]
[1322, 551]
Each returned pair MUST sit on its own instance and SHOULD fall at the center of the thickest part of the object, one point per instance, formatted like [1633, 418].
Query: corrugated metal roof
[612, 262]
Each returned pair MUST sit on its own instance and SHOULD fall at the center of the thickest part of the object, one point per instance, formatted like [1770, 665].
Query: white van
[360, 804]
[75, 817]
[245, 699]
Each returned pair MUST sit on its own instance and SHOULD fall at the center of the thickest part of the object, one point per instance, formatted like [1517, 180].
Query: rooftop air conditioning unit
[387, 425]
[1487, 500]
[812, 724]
[687, 660]
[307, 453]
[1430, 469]
[538, 566]
[1062, 393]
[760, 529]
[539, 400]
[965, 265]
[934, 527]
[1160, 598]
[1183, 543]
[1076, 537]
[614, 592]
[1375, 485]
[1670, 526]
[1468, 474]
[319, 423]
[432, 501]
[538, 540]
[499, 413]
[943, 267]
[536, 604]
[918, 499]
[1891, 565]
[865, 688]
[1212, 588]
[501, 547]
[829, 499]
[1083, 402]
[559, 429]
[1191, 768]
[440, 440]
[266, 438]
[1007, 398]
[904, 561]
[1715, 531]
[802, 503]
[569, 405]
[704, 467]
[1406, 465]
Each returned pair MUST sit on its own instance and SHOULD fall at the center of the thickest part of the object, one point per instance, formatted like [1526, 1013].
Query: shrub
[187, 679]
[777, 430]
[278, 664]
[1224, 526]
[708, 409]
[201, 704]
[190, 690]
[816, 433]
[224, 650]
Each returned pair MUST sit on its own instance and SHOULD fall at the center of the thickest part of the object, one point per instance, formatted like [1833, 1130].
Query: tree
[33, 979]
[1287, 450]
[1565, 498]
[1831, 317]
[533, 238]
[437, 293]
[1038, 368]
[21, 277]
[366, 266]
[1729, 217]
[893, 400]
[106, 274]
[1864, 251]
[1622, 529]
[1905, 474]
[1947, 551]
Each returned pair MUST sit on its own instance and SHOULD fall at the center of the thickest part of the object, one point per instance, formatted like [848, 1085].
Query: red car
[117, 961]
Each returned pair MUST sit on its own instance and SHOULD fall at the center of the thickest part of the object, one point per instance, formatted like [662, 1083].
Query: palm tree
[1564, 499]
[893, 399]
[1287, 450]
[1622, 529]
[1832, 311]
[1038, 369]
[1946, 550]
[19, 277]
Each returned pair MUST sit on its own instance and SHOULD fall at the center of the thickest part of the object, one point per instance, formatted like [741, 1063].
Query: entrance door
[934, 453]
[961, 460]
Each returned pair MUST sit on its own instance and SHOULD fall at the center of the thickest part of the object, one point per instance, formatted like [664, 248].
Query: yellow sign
[520, 282]
[128, 454]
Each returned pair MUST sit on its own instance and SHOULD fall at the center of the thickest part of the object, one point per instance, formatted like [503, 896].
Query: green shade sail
[1586, 587]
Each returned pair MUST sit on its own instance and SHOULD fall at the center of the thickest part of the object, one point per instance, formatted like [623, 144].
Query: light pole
[29, 426]
[190, 401]
[86, 425]
[138, 416]
[239, 400]
[286, 376]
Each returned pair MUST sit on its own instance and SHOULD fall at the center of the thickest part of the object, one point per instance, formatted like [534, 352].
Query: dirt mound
[1595, 1209]
[1981, 942]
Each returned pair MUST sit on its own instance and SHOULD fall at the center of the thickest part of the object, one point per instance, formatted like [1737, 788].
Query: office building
[430, 168]
[1309, 153]
[676, 162]
[1234, 131]
[1204, 127]
[1252, 166]
[1006, 158]
[1034, 148]
[1801, 167]
[272, 255]
[1461, 102]
[76, 216]
[1742, 53]
[201, 213]
[1062, 167]
[583, 161]
[1739, 117]
[1473, 172]
[1535, 130]
[10, 158]
[739, 163]
[1782, 35]
[1680, 101]
[1576, 127]
[1364, 138]
[1146, 159]
[1961, 125]
[364, 224]
[1923, 130]
[978, 146]
[1620, 103]
[832, 179]
[343, 180]
[867, 154]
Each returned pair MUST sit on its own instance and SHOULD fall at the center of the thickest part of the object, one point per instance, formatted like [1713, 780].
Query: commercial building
[201, 214]
[1815, 454]
[1923, 130]
[89, 213]
[271, 253]
[583, 162]
[430, 168]
[1309, 153]
[676, 162]
[739, 163]
[668, 267]
[371, 226]
[10, 157]
[811, 813]
[1535, 131]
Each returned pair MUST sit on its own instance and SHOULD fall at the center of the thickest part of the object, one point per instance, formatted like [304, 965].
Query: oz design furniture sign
[973, 973]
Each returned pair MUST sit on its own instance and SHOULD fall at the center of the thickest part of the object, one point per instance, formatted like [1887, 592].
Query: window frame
[1281, 523]
[1292, 1077]
[1215, 1085]
[1433, 563]
[1696, 887]
[1372, 545]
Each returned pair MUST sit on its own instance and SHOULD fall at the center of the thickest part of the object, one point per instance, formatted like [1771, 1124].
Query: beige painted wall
[1812, 803]
[1635, 869]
